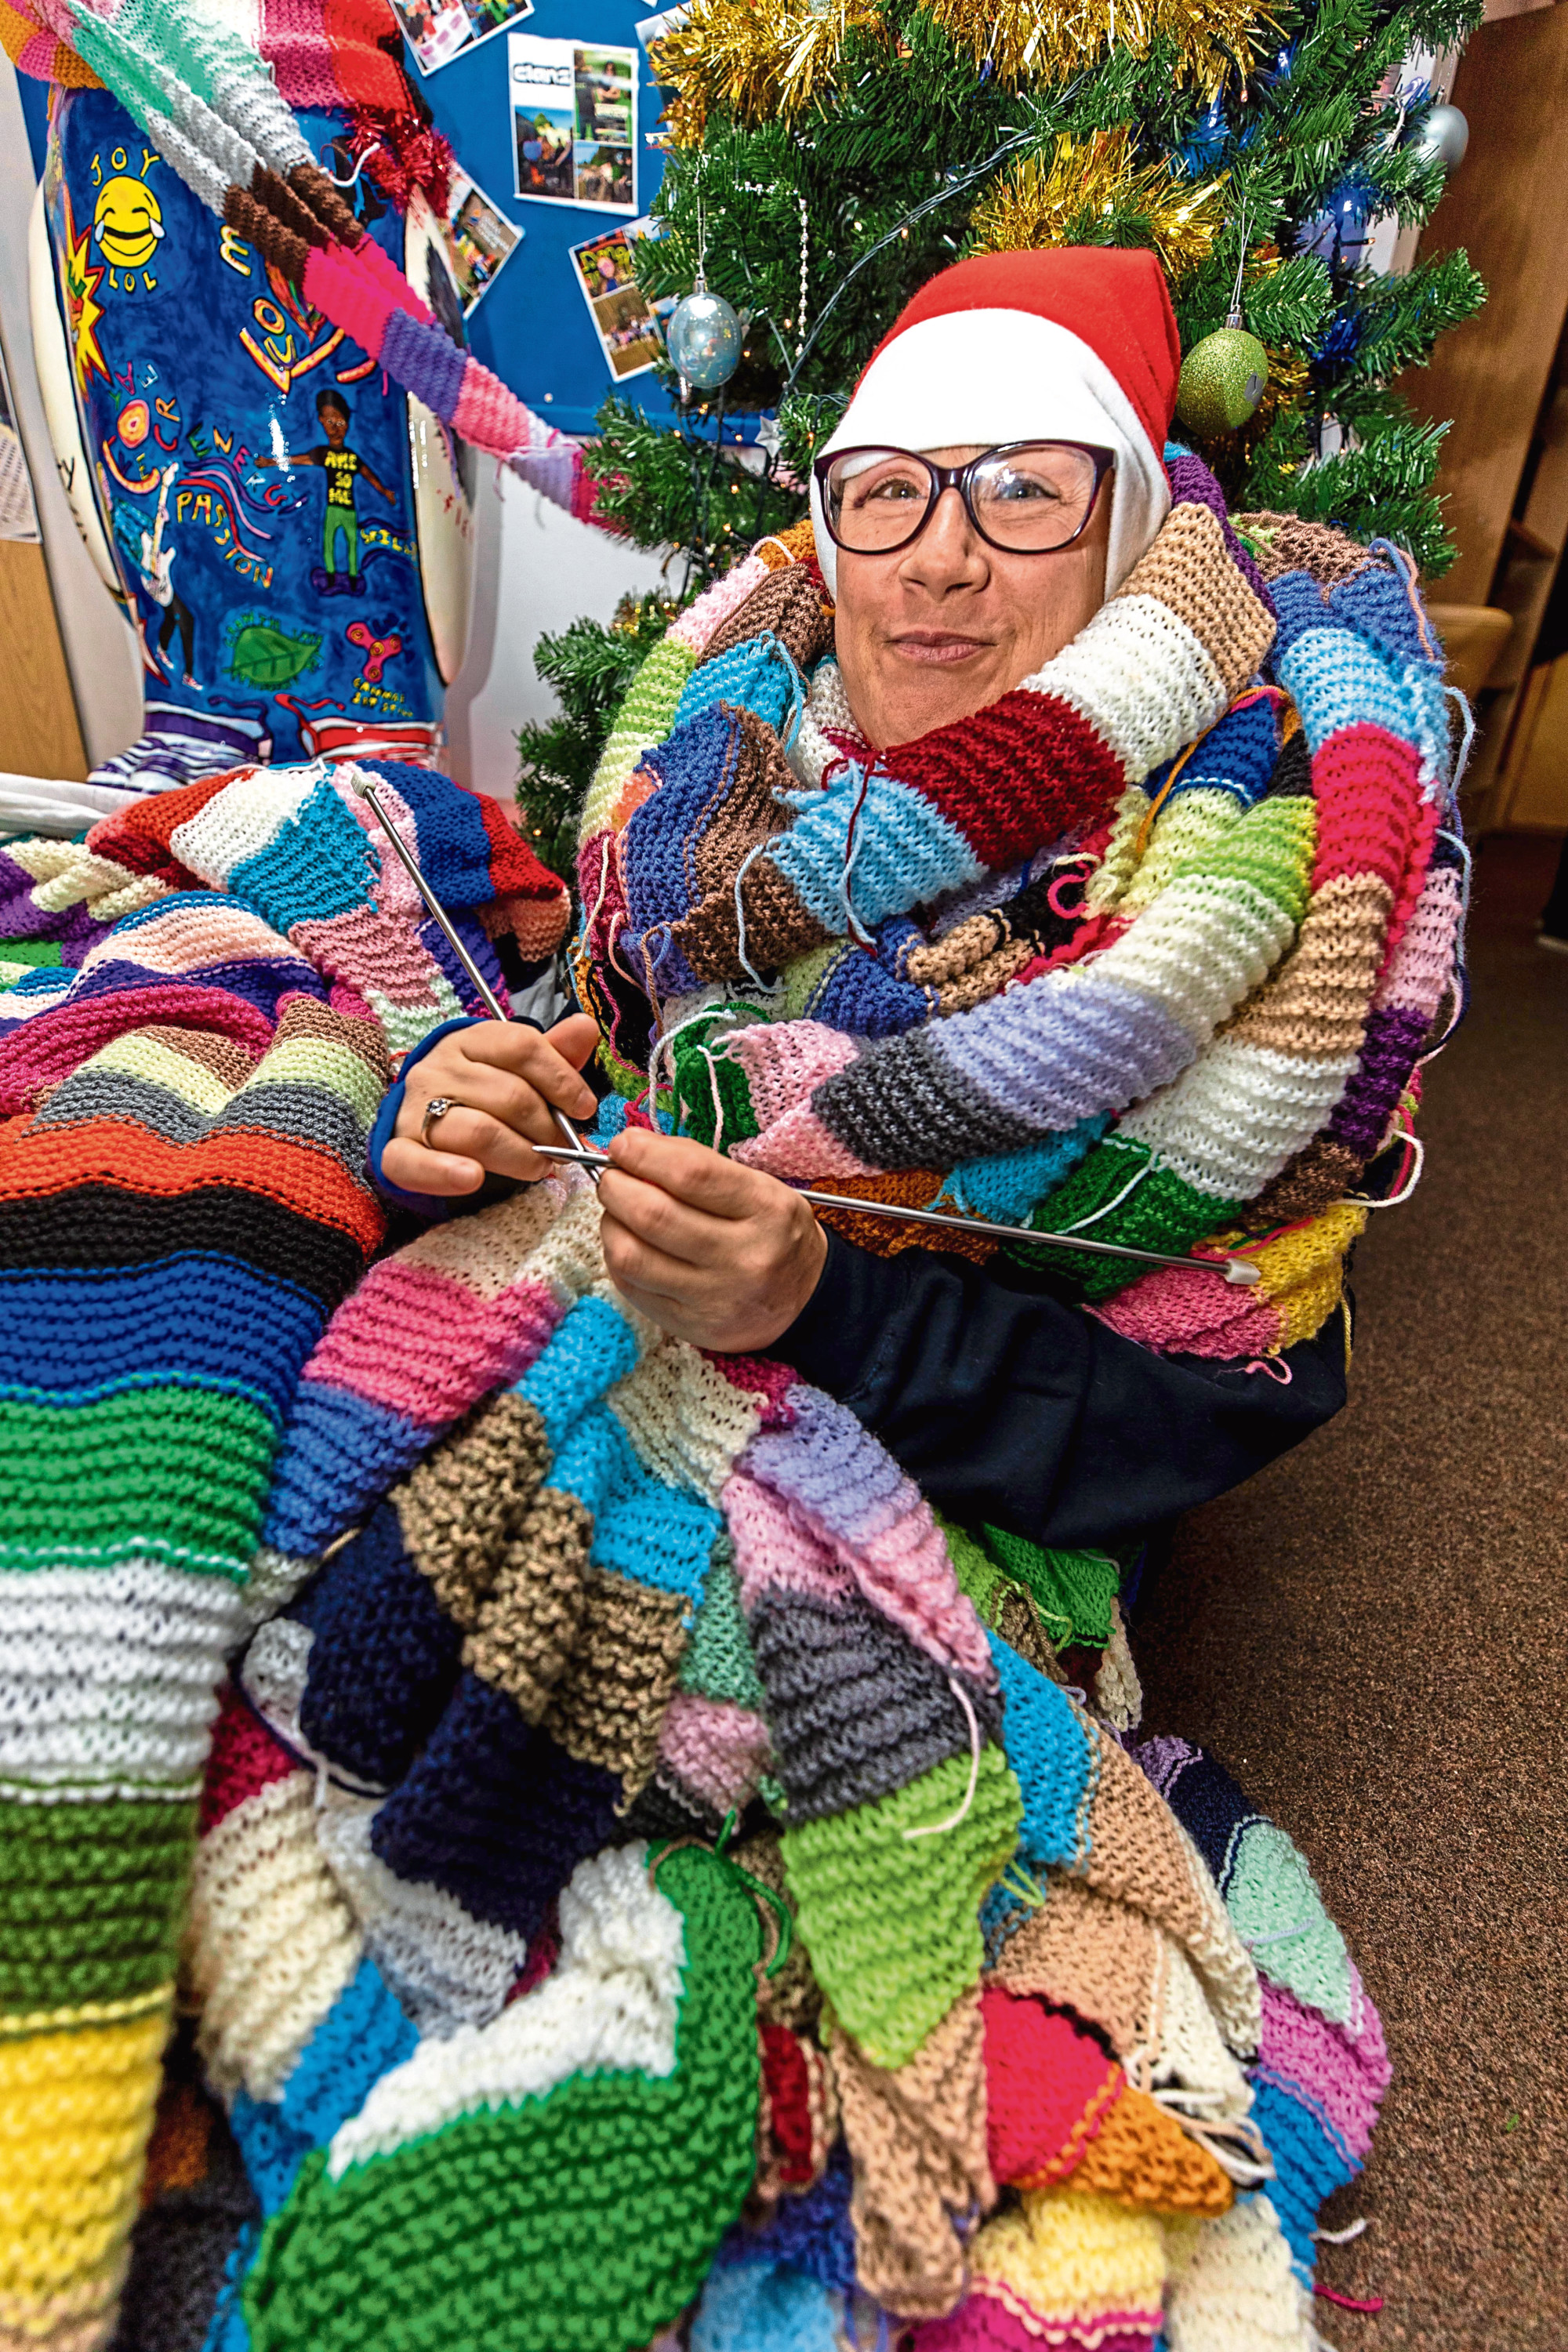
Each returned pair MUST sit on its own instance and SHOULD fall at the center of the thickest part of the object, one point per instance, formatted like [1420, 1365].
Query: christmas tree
[826, 157]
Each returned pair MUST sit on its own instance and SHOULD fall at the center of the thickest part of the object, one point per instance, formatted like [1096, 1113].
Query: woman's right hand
[501, 1080]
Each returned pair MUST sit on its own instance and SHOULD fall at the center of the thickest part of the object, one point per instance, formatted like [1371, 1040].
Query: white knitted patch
[686, 1421]
[271, 1942]
[1232, 2287]
[612, 2003]
[1141, 678]
[109, 1674]
[1232, 1121]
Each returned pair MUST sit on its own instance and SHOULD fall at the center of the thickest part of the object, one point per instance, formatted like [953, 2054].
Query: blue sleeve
[424, 1204]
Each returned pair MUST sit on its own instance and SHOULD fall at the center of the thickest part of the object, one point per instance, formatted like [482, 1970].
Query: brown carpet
[1372, 1636]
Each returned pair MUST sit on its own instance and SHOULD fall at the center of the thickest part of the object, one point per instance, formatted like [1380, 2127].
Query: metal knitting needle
[365, 787]
[1234, 1269]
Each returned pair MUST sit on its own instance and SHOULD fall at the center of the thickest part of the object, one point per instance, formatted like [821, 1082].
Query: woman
[955, 576]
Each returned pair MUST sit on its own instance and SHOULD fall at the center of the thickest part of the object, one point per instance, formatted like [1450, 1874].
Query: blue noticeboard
[533, 325]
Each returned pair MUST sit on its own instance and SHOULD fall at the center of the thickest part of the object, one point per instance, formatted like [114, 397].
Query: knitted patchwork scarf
[523, 1606]
[1149, 949]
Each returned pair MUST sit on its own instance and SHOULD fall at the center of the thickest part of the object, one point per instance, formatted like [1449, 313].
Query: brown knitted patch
[1136, 1850]
[285, 204]
[259, 227]
[791, 1997]
[306, 1016]
[1099, 1957]
[312, 186]
[786, 604]
[1019, 1625]
[1316, 1004]
[958, 951]
[610, 1701]
[911, 1188]
[917, 2136]
[1318, 1177]
[987, 979]
[460, 1507]
[1189, 569]
[528, 1626]
[227, 1061]
[753, 812]
[1283, 542]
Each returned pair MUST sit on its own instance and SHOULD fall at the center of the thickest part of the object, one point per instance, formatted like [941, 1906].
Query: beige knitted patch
[1316, 1004]
[528, 1626]
[1283, 542]
[917, 2135]
[1092, 1955]
[1189, 570]
[608, 1705]
[461, 1506]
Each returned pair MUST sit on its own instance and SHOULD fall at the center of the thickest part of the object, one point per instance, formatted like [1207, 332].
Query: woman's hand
[501, 1080]
[719, 1254]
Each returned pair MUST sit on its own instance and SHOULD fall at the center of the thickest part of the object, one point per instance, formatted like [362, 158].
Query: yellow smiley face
[127, 222]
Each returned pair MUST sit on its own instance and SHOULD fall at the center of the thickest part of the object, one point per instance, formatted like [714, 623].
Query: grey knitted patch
[903, 1105]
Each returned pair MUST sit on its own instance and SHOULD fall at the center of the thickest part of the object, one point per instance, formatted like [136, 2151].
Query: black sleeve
[1007, 1405]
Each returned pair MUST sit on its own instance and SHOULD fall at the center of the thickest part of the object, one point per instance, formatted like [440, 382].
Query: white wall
[536, 571]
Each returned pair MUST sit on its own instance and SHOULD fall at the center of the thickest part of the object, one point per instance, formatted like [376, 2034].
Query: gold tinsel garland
[1047, 40]
[765, 60]
[1090, 181]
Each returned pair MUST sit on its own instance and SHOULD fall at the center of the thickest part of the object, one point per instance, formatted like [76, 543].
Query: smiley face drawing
[127, 223]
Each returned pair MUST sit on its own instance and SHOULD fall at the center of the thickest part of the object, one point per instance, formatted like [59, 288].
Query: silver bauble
[703, 339]
[1443, 137]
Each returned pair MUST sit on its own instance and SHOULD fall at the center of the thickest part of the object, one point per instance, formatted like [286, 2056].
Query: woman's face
[935, 631]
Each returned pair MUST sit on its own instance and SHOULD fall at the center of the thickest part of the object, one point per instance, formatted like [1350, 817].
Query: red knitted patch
[1367, 785]
[515, 871]
[759, 1377]
[1049, 2087]
[244, 1759]
[138, 837]
[1022, 771]
[787, 2082]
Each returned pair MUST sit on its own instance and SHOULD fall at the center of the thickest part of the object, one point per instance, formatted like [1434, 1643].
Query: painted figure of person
[340, 523]
[154, 565]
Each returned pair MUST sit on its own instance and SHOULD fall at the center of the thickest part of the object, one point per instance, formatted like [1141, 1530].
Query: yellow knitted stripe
[157, 1065]
[1302, 1270]
[643, 721]
[321, 1062]
[1067, 2253]
[1117, 867]
[76, 2108]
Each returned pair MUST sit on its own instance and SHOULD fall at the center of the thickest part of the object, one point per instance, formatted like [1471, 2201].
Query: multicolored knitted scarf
[1149, 949]
[545, 1598]
[217, 108]
[522, 2043]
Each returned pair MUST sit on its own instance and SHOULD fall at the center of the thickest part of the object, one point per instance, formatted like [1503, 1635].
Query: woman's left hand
[717, 1254]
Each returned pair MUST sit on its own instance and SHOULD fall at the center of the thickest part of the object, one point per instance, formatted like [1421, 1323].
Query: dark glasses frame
[960, 479]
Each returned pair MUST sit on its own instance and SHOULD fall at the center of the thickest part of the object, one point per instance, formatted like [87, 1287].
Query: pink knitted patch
[1342, 2073]
[372, 950]
[783, 1060]
[56, 1043]
[244, 1760]
[349, 296]
[1195, 1314]
[1049, 2087]
[759, 1377]
[727, 596]
[773, 1549]
[906, 1571]
[983, 2323]
[1422, 965]
[422, 1344]
[1367, 786]
[800, 1146]
[718, 1748]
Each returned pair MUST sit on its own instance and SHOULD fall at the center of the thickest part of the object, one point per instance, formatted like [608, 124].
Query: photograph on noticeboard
[574, 122]
[439, 30]
[629, 327]
[480, 238]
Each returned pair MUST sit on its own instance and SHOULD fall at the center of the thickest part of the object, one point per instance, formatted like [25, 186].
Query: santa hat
[1076, 343]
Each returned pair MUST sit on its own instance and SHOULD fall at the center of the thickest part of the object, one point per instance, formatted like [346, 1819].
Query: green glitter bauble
[1223, 379]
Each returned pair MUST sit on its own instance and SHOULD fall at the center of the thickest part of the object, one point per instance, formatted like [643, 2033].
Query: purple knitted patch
[1191, 484]
[426, 362]
[1393, 1038]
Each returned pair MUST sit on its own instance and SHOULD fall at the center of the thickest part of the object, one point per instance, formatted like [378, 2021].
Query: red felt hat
[1116, 302]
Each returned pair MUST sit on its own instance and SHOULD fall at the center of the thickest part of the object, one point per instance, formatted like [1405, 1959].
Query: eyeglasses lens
[1030, 499]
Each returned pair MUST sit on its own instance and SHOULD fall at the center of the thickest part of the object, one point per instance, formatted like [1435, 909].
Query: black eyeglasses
[1027, 497]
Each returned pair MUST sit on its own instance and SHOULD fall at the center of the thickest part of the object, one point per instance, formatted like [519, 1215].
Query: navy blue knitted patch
[383, 1659]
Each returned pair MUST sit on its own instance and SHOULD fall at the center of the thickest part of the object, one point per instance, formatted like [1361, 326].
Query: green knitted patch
[1271, 848]
[180, 1472]
[39, 953]
[581, 2221]
[91, 1897]
[717, 1663]
[807, 977]
[1163, 1211]
[1072, 1590]
[891, 1921]
[624, 1077]
[695, 1077]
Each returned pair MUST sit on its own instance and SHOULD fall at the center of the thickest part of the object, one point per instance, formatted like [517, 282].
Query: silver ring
[436, 1108]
